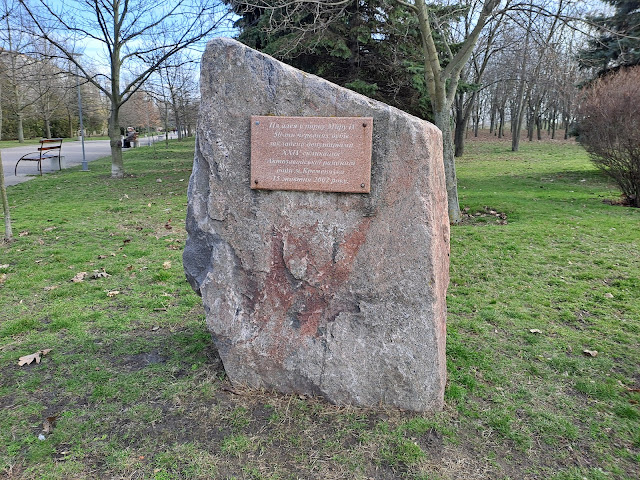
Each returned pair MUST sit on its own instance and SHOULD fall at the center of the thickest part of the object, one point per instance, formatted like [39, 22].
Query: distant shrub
[609, 129]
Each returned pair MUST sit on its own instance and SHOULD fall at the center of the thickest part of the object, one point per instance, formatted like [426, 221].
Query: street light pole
[85, 166]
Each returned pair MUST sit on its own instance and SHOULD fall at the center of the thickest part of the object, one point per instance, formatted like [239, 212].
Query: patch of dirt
[623, 201]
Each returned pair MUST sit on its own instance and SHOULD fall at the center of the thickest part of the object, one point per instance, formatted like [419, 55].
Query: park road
[71, 151]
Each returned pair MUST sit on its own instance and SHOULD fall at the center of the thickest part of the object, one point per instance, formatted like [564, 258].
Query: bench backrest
[50, 144]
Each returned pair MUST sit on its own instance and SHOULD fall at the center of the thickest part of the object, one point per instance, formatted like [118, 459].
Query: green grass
[139, 392]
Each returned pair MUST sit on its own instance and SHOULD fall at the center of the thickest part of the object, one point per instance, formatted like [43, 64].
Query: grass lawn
[132, 387]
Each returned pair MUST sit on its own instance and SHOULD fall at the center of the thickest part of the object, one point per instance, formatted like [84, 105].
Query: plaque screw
[362, 185]
[364, 125]
[255, 181]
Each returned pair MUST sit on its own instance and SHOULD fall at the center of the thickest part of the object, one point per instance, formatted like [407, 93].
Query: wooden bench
[50, 148]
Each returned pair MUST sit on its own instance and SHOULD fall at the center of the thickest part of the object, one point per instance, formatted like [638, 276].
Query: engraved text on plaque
[329, 154]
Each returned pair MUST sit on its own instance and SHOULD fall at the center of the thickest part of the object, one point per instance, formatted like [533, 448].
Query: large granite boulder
[332, 294]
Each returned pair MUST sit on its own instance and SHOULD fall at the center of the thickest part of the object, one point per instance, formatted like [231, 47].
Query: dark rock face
[331, 294]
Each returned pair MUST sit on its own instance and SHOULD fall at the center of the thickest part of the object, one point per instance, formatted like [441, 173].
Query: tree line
[127, 58]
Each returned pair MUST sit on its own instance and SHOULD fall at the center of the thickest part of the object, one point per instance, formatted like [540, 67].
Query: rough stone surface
[331, 294]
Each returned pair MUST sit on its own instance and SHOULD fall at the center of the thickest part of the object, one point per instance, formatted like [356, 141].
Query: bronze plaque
[328, 154]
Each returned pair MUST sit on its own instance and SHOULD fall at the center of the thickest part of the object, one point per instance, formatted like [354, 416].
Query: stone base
[53, 163]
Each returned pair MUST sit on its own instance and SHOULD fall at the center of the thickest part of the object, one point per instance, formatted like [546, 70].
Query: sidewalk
[72, 152]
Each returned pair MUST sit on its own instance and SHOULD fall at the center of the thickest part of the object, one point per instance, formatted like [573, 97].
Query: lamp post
[85, 166]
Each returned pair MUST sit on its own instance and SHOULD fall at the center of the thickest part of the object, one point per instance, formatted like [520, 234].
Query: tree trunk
[20, 128]
[539, 127]
[458, 135]
[117, 165]
[47, 128]
[492, 119]
[443, 122]
[8, 233]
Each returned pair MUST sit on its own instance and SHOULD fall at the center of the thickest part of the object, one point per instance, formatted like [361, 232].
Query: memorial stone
[308, 289]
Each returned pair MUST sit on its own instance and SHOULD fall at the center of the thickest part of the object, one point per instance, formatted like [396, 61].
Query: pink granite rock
[332, 294]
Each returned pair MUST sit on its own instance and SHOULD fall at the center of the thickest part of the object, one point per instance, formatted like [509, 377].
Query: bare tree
[18, 66]
[126, 30]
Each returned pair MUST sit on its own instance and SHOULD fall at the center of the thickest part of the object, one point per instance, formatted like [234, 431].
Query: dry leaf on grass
[24, 234]
[3, 278]
[535, 330]
[80, 276]
[590, 353]
[608, 295]
[166, 265]
[113, 293]
[28, 359]
[52, 287]
[3, 266]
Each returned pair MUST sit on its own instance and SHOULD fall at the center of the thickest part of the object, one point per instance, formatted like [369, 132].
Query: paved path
[72, 152]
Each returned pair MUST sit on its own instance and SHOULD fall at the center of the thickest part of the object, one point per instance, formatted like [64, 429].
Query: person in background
[130, 138]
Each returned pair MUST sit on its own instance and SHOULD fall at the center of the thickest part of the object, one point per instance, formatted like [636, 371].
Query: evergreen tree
[372, 48]
[618, 42]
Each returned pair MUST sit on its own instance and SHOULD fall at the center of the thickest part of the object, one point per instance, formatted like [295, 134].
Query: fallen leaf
[166, 265]
[590, 353]
[23, 234]
[2, 267]
[80, 276]
[113, 293]
[28, 359]
[535, 330]
[608, 295]
[3, 278]
[49, 423]
[99, 274]
[49, 229]
[159, 180]
[100, 257]
[155, 328]
[52, 287]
